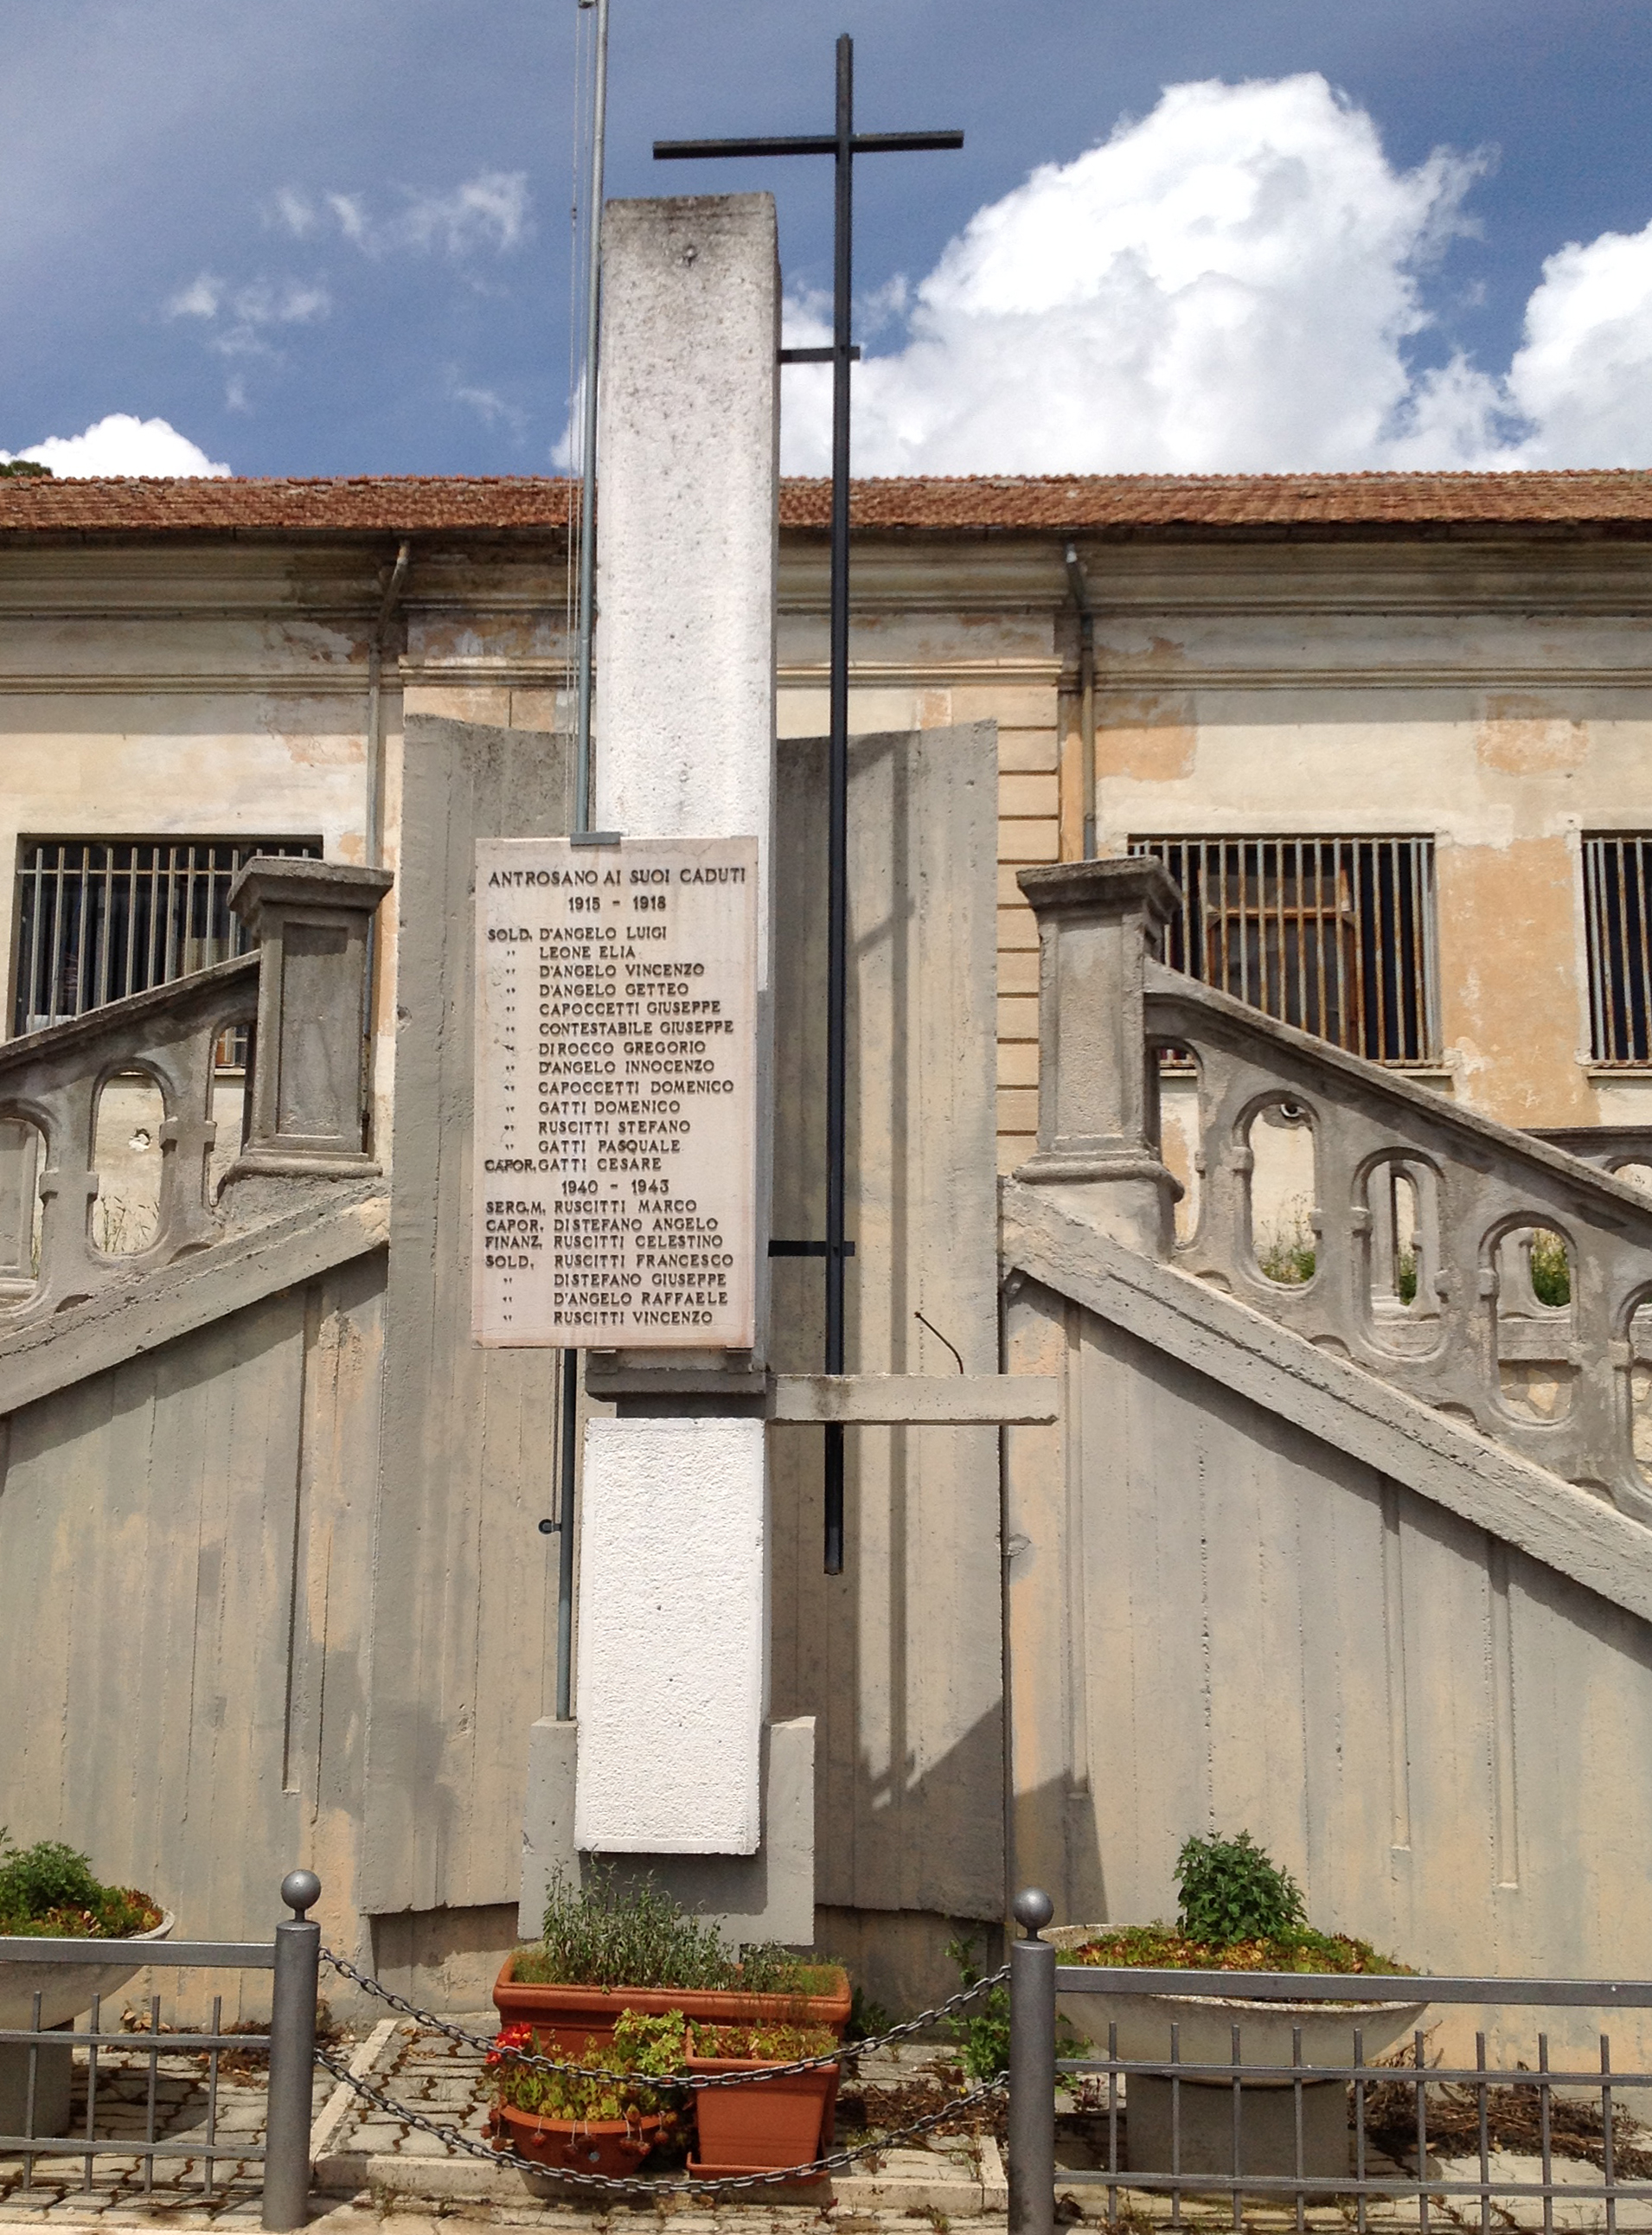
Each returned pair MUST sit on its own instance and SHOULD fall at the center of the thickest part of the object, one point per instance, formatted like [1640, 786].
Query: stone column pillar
[310, 920]
[1098, 1129]
[674, 1638]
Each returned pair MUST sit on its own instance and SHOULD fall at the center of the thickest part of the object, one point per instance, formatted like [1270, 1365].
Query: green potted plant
[764, 2124]
[49, 1891]
[566, 2122]
[607, 1948]
[1239, 1911]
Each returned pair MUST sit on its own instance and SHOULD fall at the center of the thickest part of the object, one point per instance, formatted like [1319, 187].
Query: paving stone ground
[57, 2186]
[959, 2176]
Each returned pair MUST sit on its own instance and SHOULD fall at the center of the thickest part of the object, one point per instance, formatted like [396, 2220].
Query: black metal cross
[843, 145]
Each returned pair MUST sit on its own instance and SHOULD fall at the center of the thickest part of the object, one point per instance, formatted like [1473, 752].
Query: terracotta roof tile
[1104, 504]
[1112, 502]
[361, 504]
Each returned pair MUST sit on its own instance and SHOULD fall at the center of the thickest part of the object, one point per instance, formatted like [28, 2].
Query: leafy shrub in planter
[1232, 1891]
[602, 1934]
[1240, 1912]
[775, 2044]
[647, 2048]
[48, 1891]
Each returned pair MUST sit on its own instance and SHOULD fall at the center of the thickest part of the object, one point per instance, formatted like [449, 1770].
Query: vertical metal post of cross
[843, 143]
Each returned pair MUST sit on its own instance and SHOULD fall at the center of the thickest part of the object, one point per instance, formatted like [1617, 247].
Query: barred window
[1617, 885]
[100, 918]
[1333, 934]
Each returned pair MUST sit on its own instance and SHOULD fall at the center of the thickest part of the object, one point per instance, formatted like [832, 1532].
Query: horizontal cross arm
[817, 356]
[812, 143]
[903, 143]
[806, 143]
[943, 1401]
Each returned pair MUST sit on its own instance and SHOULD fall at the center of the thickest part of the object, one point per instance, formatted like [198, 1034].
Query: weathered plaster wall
[221, 689]
[952, 634]
[1494, 697]
[1495, 694]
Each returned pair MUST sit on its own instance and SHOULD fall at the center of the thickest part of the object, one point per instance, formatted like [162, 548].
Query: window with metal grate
[1618, 890]
[1333, 934]
[100, 918]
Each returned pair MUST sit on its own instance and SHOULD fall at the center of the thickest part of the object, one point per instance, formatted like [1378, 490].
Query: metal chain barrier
[834, 2161]
[687, 2082]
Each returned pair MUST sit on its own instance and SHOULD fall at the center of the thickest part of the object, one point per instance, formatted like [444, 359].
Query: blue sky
[331, 236]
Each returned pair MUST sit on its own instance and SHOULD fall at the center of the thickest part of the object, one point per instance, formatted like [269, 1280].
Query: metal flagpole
[588, 437]
[838, 793]
[843, 145]
[587, 613]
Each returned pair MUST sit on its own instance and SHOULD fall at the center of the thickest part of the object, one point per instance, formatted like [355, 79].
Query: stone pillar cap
[1123, 881]
[282, 877]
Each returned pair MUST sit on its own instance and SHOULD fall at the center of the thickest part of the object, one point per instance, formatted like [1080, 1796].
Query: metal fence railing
[1279, 2089]
[35, 2058]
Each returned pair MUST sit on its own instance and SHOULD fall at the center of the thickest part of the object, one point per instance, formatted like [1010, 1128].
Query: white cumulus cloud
[1583, 374]
[1234, 282]
[122, 444]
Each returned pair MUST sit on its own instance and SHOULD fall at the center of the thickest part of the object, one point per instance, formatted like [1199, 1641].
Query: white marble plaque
[616, 1178]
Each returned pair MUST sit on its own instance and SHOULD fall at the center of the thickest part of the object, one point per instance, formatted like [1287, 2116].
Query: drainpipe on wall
[1086, 695]
[375, 836]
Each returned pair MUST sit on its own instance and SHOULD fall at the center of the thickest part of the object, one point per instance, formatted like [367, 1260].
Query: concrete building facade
[1389, 736]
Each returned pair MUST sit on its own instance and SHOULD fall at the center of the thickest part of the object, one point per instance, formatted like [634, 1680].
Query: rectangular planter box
[764, 2126]
[570, 2014]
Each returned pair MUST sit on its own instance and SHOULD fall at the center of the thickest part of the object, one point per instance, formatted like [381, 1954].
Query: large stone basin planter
[65, 1990]
[571, 2014]
[1204, 2113]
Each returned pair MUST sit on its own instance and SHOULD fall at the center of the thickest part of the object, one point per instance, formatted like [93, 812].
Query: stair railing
[1500, 1278]
[298, 997]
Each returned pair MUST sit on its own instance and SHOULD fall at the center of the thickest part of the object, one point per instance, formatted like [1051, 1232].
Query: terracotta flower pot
[570, 2014]
[764, 2126]
[614, 2146]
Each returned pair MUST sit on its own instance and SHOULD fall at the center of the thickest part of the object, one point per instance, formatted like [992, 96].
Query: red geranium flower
[519, 2038]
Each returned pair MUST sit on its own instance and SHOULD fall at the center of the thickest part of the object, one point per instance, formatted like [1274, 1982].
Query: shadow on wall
[447, 1959]
[443, 1959]
[1055, 1842]
[898, 1957]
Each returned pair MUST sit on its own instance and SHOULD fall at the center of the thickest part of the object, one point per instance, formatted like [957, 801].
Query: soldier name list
[615, 1176]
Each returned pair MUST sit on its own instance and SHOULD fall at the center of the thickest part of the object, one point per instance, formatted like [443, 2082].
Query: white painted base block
[672, 1644]
[548, 1819]
[768, 1896]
